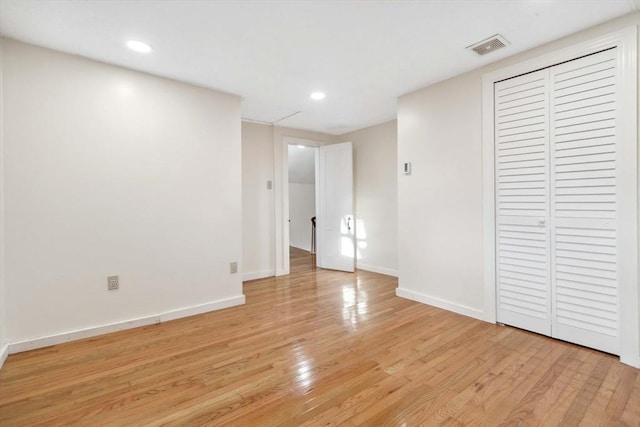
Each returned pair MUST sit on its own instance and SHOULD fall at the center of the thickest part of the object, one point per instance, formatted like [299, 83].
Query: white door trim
[625, 41]
[281, 195]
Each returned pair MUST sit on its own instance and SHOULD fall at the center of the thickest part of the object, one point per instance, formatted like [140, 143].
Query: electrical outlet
[233, 267]
[113, 283]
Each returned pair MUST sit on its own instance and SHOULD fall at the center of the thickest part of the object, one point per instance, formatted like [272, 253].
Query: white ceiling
[363, 54]
[302, 164]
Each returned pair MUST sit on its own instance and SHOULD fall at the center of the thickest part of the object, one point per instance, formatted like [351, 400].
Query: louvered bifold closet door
[522, 187]
[583, 201]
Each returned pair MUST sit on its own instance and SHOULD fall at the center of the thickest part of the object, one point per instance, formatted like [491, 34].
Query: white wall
[111, 171]
[375, 186]
[302, 206]
[257, 201]
[440, 203]
[3, 332]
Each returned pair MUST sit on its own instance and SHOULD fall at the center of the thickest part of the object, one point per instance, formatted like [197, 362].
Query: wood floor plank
[585, 397]
[319, 347]
[489, 390]
[596, 412]
[631, 413]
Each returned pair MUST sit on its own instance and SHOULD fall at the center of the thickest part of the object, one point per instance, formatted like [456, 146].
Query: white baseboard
[4, 352]
[441, 303]
[202, 308]
[46, 341]
[20, 346]
[257, 275]
[376, 269]
[631, 361]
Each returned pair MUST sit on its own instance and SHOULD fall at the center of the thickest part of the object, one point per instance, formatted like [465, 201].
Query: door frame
[625, 40]
[281, 195]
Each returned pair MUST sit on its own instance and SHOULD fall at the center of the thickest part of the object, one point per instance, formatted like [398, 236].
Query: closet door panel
[583, 201]
[522, 187]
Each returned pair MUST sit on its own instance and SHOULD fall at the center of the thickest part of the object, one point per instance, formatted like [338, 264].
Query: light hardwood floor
[320, 348]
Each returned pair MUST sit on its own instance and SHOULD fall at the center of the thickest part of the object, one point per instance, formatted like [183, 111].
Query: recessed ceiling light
[317, 96]
[301, 146]
[138, 46]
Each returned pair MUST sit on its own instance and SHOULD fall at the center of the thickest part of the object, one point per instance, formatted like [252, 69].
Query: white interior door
[522, 211]
[335, 222]
[583, 201]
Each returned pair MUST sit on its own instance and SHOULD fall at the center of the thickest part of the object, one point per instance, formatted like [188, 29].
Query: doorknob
[349, 223]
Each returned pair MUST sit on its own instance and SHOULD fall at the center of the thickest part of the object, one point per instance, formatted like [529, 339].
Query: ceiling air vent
[489, 45]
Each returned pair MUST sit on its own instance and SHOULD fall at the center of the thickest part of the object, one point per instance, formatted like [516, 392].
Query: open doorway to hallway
[302, 207]
[301, 260]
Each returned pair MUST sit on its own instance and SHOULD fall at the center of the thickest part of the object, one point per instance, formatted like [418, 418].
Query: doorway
[302, 207]
[335, 225]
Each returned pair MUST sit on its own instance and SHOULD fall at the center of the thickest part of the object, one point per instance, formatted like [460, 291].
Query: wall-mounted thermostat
[406, 168]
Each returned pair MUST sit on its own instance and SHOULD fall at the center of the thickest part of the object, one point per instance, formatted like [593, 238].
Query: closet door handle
[542, 222]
